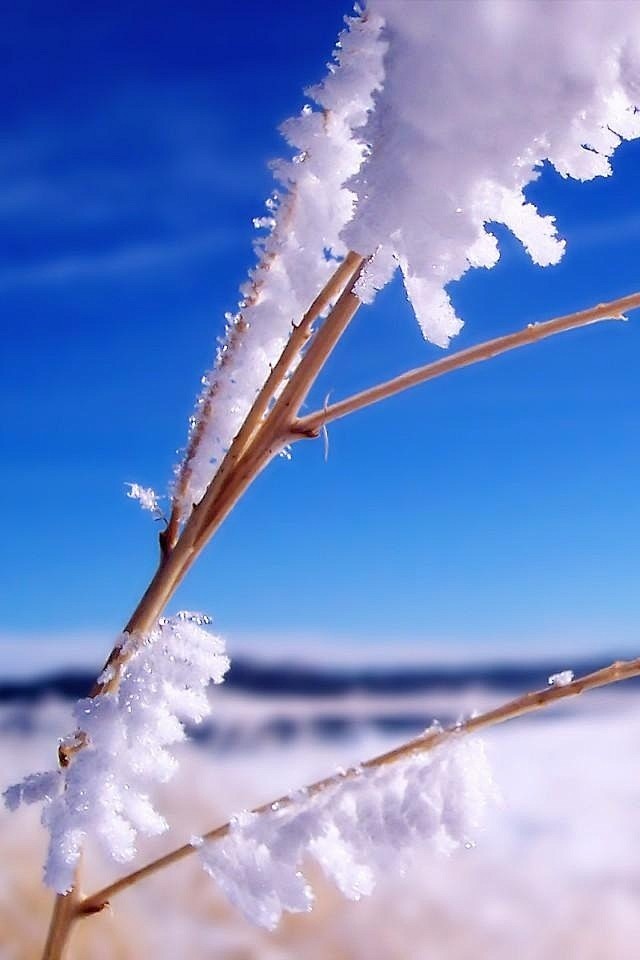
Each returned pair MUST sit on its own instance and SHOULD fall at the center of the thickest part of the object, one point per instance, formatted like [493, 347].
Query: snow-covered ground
[555, 874]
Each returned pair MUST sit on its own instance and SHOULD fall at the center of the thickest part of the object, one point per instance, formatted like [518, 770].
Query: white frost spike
[33, 789]
[103, 793]
[146, 497]
[299, 253]
[464, 122]
[357, 830]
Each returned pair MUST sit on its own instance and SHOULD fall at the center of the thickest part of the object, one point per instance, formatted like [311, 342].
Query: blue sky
[495, 507]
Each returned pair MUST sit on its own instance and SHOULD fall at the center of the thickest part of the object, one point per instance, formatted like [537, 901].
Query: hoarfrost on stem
[426, 133]
[103, 792]
[146, 497]
[561, 679]
[298, 254]
[357, 829]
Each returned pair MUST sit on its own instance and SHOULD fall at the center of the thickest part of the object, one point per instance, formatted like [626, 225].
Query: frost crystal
[146, 497]
[476, 96]
[356, 830]
[562, 679]
[102, 793]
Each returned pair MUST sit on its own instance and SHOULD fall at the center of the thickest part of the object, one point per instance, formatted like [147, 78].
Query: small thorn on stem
[309, 433]
[163, 540]
[90, 909]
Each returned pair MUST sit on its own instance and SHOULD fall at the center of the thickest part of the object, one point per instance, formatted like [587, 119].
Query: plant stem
[65, 912]
[264, 438]
[311, 424]
[255, 446]
[528, 703]
[256, 443]
[263, 435]
[344, 275]
[306, 374]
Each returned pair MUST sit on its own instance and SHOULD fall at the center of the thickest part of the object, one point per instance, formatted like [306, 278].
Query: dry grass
[556, 873]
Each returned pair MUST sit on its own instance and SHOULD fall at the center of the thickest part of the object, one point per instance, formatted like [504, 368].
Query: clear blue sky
[496, 506]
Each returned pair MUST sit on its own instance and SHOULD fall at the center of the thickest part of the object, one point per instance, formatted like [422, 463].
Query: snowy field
[555, 874]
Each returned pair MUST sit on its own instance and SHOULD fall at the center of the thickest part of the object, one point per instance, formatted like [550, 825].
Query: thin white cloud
[150, 196]
[30, 655]
[135, 257]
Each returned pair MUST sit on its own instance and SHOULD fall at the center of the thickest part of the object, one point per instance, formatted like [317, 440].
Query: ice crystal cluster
[146, 497]
[433, 119]
[561, 679]
[103, 792]
[476, 96]
[363, 825]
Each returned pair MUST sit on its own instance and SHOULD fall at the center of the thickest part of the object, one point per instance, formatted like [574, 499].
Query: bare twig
[66, 910]
[528, 703]
[297, 390]
[246, 457]
[311, 424]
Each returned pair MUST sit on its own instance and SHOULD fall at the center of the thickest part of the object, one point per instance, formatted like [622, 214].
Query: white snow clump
[477, 94]
[102, 793]
[365, 824]
[146, 497]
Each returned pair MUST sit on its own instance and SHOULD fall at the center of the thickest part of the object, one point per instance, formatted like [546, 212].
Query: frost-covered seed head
[103, 792]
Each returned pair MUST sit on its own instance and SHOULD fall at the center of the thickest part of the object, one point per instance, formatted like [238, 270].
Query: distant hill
[282, 679]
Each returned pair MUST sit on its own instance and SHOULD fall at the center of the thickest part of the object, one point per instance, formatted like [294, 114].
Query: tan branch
[257, 442]
[66, 909]
[343, 276]
[306, 374]
[312, 424]
[528, 703]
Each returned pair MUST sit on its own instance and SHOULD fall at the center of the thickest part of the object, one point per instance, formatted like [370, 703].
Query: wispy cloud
[135, 257]
[130, 184]
[29, 655]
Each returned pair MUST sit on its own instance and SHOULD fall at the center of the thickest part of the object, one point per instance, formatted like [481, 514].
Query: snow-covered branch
[357, 811]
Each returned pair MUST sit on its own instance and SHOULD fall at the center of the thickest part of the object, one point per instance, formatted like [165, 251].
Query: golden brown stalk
[312, 423]
[257, 442]
[223, 492]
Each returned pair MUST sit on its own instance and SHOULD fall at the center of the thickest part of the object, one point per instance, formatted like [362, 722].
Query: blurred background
[461, 543]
